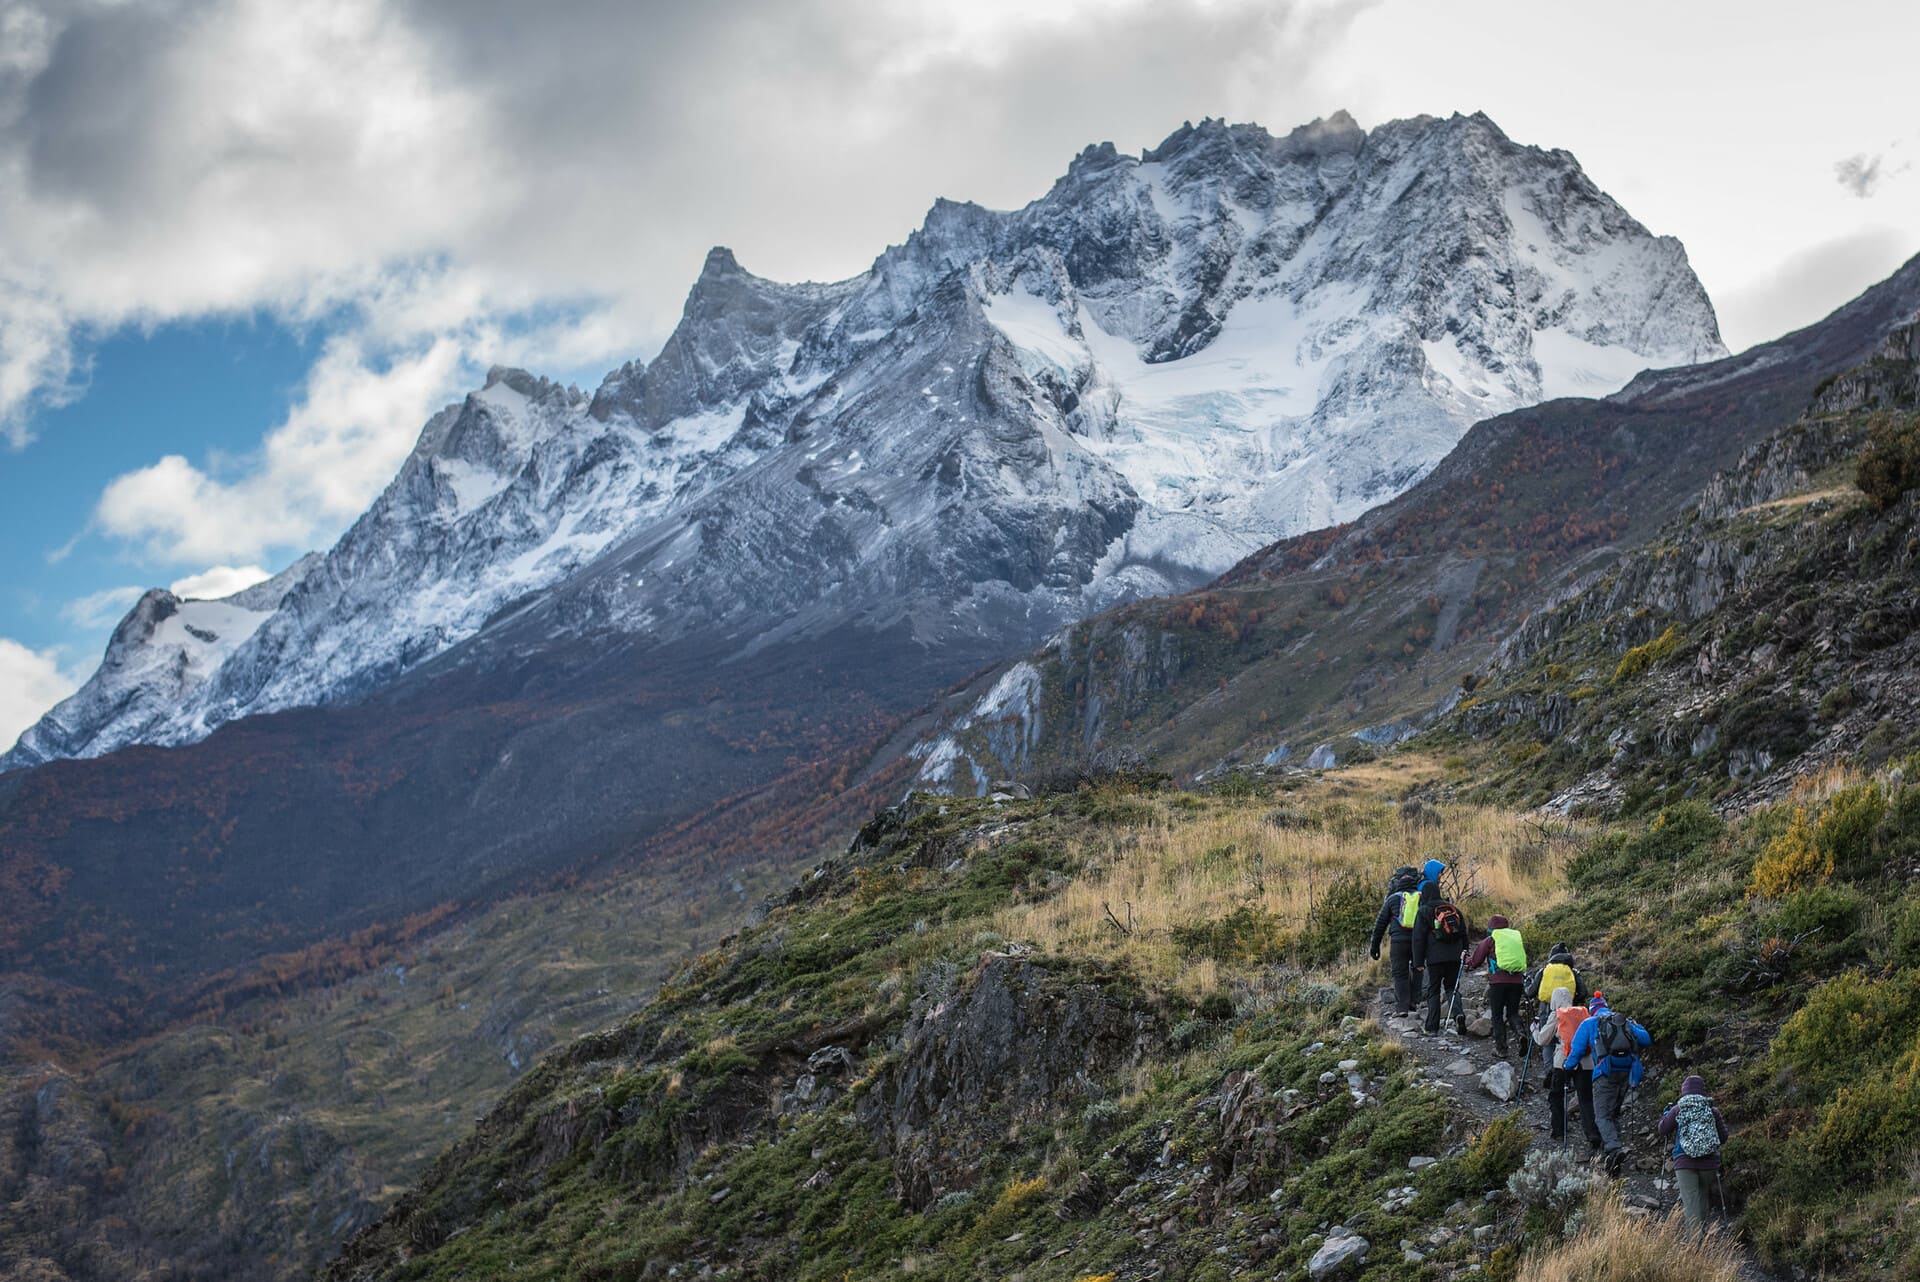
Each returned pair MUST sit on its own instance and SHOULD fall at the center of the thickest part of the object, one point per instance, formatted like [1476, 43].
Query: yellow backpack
[1556, 975]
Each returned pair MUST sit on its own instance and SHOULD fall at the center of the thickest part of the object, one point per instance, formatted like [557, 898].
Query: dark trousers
[1583, 1090]
[1581, 1082]
[1503, 1004]
[1406, 989]
[1443, 978]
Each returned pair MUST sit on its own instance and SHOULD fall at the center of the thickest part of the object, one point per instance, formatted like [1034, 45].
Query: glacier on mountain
[1011, 420]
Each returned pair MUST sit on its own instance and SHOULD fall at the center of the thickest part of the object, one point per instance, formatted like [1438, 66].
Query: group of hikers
[1589, 1048]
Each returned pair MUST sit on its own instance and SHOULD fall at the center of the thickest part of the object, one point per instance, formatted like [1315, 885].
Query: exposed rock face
[1012, 420]
[1015, 1043]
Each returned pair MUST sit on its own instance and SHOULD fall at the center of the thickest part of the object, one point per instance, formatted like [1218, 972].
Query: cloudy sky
[247, 246]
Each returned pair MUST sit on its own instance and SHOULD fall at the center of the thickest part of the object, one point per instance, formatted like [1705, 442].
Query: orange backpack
[1569, 1020]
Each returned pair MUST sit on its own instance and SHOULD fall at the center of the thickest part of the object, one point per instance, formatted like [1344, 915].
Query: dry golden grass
[1817, 786]
[1200, 865]
[1613, 1246]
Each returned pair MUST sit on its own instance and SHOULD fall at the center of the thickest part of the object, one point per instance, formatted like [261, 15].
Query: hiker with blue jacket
[1615, 1043]
[1505, 956]
[1698, 1131]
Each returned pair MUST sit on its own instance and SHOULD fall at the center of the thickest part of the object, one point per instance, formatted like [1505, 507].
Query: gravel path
[1455, 1063]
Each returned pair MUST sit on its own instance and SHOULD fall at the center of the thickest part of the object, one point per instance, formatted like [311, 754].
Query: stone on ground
[1498, 1081]
[1337, 1254]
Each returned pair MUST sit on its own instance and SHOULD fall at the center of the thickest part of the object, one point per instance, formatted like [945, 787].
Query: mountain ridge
[1182, 341]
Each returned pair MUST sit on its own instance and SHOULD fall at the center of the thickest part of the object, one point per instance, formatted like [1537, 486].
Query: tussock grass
[1275, 858]
[1613, 1246]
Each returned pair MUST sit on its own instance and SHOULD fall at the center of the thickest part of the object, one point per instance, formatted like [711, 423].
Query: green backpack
[1509, 951]
[1409, 907]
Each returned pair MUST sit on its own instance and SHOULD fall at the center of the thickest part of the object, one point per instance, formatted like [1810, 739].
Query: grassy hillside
[1109, 1033]
[998, 1038]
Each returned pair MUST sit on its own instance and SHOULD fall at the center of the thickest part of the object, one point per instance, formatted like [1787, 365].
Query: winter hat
[1558, 951]
[1694, 1085]
[1562, 999]
[1496, 922]
[1598, 1002]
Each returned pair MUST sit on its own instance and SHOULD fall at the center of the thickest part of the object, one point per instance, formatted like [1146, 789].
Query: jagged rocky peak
[1011, 419]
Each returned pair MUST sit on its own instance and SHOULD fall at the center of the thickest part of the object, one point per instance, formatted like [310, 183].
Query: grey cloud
[223, 155]
[1805, 286]
[1859, 174]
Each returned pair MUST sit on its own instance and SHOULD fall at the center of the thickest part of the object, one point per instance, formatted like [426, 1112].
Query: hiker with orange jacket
[1505, 957]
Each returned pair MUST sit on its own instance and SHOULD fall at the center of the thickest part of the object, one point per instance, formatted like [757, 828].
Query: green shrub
[1495, 1154]
[1869, 1124]
[1216, 1006]
[1849, 1027]
[1248, 934]
[1837, 701]
[1905, 929]
[1890, 465]
[1790, 861]
[1341, 918]
[1641, 658]
[1845, 834]
[1898, 837]
[1833, 911]
[1675, 833]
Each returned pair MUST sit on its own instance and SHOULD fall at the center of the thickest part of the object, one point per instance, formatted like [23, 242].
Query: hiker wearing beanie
[1395, 923]
[1505, 957]
[1615, 1043]
[1559, 972]
[1556, 1032]
[1698, 1131]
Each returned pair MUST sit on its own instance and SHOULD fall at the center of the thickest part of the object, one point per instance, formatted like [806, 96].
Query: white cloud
[447, 185]
[217, 581]
[31, 681]
[313, 474]
[102, 609]
[486, 181]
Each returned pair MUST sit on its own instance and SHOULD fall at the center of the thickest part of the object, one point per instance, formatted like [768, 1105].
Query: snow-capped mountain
[1011, 420]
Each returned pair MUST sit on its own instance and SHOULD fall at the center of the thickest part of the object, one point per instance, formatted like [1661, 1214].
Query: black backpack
[1613, 1034]
[1405, 877]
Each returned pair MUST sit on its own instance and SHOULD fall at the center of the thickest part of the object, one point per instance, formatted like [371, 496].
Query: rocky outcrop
[1014, 1043]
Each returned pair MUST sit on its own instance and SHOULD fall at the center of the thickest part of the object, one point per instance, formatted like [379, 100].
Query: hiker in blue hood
[1430, 877]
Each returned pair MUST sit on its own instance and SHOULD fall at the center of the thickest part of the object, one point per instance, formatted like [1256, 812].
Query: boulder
[831, 1059]
[1499, 1081]
[1336, 1254]
[1009, 790]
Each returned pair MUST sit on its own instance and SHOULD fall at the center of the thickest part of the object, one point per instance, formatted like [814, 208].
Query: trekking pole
[1526, 1061]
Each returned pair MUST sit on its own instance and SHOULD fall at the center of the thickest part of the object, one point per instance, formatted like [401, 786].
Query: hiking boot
[1616, 1162]
[1500, 1048]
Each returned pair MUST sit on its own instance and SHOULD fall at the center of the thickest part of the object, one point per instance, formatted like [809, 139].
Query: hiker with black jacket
[1439, 938]
[1615, 1043]
[1698, 1131]
[1505, 957]
[1395, 924]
